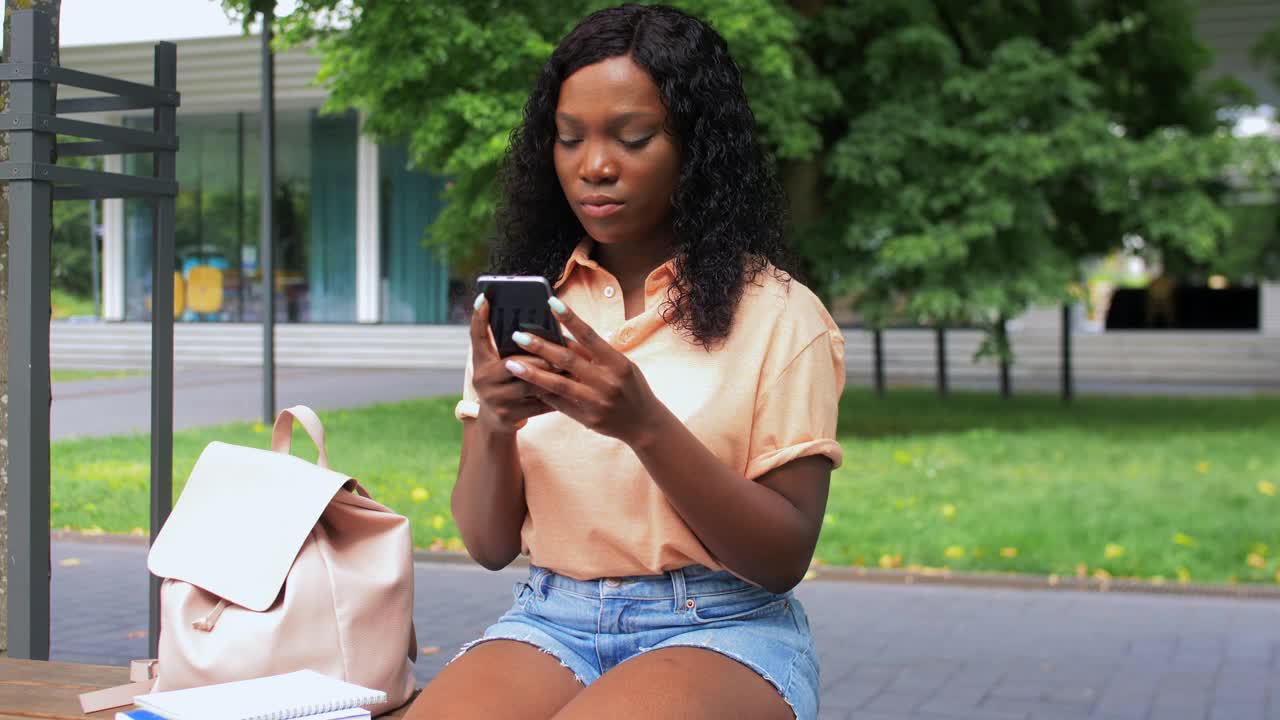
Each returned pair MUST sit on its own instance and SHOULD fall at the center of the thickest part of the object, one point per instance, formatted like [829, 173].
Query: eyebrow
[614, 122]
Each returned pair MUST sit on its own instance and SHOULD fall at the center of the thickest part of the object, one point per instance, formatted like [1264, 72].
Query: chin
[606, 238]
[605, 234]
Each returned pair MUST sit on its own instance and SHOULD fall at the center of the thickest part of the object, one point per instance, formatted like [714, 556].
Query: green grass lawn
[65, 304]
[72, 375]
[1177, 489]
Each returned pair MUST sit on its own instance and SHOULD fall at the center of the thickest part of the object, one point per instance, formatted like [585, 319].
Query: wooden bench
[51, 691]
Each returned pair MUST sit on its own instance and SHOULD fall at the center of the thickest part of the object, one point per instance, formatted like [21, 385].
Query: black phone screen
[518, 303]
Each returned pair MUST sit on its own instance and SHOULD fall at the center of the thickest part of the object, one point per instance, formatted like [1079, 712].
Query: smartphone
[518, 302]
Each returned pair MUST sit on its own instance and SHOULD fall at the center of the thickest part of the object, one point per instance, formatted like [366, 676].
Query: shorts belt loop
[678, 589]
[538, 580]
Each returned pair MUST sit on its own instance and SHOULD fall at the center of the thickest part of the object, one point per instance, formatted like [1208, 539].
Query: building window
[218, 275]
[417, 284]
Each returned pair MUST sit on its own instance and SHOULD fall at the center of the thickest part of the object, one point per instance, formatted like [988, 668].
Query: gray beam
[164, 124]
[268, 224]
[49, 72]
[82, 129]
[105, 103]
[30, 215]
[124, 184]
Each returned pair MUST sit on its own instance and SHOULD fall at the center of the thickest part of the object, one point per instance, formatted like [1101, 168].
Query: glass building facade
[218, 275]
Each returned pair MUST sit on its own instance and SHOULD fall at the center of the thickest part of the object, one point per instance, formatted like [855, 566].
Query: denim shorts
[592, 626]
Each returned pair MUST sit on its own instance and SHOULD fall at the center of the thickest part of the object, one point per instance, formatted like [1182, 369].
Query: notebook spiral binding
[302, 711]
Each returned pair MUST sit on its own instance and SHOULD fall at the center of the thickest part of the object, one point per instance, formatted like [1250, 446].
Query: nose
[598, 164]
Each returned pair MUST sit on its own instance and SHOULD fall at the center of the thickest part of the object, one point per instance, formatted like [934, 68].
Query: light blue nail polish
[556, 306]
[515, 367]
[480, 301]
[522, 339]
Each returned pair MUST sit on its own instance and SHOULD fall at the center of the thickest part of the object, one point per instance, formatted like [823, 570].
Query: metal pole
[93, 256]
[267, 230]
[877, 345]
[165, 167]
[30, 232]
[1006, 386]
[941, 336]
[239, 258]
[1068, 381]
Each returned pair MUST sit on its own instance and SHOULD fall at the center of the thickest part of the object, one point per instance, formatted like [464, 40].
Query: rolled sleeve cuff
[466, 410]
[470, 410]
[777, 458]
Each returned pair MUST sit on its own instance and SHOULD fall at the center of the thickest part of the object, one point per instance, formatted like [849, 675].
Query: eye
[568, 142]
[636, 144]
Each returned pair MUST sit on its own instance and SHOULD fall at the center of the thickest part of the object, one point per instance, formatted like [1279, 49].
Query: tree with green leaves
[451, 79]
[946, 162]
[987, 148]
[1257, 246]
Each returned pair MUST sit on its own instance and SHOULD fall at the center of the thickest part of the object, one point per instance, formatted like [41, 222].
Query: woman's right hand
[506, 401]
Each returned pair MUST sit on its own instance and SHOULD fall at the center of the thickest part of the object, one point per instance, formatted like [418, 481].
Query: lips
[599, 206]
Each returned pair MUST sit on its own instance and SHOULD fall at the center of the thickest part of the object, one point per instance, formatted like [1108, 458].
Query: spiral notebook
[276, 697]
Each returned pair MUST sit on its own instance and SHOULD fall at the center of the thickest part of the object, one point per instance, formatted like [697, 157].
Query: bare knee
[497, 678]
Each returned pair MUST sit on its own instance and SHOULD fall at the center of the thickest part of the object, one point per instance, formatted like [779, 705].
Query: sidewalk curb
[830, 573]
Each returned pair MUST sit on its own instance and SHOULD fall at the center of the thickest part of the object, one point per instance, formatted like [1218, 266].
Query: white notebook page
[277, 697]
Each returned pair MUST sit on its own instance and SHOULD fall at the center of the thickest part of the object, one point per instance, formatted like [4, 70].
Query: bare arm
[766, 531]
[488, 499]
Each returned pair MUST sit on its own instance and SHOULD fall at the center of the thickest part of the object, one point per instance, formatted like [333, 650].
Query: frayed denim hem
[732, 656]
[528, 640]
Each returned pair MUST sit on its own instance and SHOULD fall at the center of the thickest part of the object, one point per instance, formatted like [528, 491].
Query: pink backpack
[272, 564]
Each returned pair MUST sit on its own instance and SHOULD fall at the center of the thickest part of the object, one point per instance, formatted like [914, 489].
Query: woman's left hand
[601, 389]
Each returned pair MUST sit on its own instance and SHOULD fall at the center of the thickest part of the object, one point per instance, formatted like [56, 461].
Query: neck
[632, 261]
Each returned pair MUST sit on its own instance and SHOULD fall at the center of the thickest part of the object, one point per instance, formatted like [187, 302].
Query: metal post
[30, 212]
[267, 230]
[165, 123]
[93, 257]
[941, 337]
[239, 259]
[1068, 381]
[877, 346]
[1006, 386]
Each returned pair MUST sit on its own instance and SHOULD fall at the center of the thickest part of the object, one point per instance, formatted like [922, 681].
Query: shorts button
[612, 582]
[689, 603]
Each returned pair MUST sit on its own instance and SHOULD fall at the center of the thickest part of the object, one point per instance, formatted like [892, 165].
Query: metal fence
[37, 127]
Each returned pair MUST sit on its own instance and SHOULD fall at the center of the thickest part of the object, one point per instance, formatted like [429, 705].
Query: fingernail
[556, 306]
[515, 367]
[522, 339]
[480, 301]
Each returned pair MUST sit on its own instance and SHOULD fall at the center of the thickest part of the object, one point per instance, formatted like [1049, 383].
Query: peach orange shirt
[766, 396]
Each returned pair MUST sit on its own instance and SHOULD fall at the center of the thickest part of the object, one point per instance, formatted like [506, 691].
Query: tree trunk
[54, 8]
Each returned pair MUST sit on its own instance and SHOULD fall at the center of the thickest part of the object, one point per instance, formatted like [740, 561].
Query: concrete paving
[212, 396]
[889, 652]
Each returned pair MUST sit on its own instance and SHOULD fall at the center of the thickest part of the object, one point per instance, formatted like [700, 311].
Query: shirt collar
[658, 279]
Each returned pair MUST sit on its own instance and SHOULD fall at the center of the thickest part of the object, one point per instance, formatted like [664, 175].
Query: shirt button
[625, 336]
[612, 582]
[608, 291]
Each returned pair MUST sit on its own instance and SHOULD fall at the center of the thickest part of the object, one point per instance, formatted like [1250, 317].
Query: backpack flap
[240, 522]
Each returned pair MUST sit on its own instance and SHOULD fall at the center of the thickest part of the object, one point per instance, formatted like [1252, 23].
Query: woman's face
[616, 162]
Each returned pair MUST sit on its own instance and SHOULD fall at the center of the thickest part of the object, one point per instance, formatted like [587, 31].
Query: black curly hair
[728, 208]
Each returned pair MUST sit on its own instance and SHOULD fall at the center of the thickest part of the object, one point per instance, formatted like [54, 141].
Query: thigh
[497, 679]
[679, 682]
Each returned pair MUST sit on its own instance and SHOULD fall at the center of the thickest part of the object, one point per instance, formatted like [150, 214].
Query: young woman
[669, 483]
